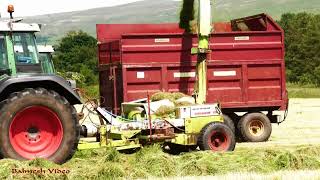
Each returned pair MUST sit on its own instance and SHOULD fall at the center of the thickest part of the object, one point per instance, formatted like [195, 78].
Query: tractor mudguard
[9, 84]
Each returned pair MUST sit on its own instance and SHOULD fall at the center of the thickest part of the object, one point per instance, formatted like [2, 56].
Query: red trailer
[246, 69]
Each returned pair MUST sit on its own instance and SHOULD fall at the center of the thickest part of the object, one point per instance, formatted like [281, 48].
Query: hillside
[155, 11]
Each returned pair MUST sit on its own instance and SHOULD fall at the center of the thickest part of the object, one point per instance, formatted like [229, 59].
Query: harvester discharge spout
[203, 30]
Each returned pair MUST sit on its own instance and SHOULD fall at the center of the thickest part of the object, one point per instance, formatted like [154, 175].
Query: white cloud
[37, 7]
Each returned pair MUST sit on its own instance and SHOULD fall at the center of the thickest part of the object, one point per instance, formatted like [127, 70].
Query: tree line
[302, 43]
[76, 53]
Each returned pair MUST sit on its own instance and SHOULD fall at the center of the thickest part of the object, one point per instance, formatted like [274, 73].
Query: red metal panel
[264, 82]
[179, 83]
[245, 69]
[111, 89]
[224, 83]
[109, 52]
[107, 87]
[142, 80]
[160, 48]
[168, 48]
[107, 32]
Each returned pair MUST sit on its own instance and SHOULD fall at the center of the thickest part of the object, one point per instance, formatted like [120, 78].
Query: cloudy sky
[37, 7]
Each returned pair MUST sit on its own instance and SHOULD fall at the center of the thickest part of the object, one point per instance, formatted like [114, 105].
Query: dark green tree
[302, 42]
[77, 52]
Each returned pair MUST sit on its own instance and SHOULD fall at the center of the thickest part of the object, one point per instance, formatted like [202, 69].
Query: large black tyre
[217, 137]
[37, 123]
[229, 122]
[255, 127]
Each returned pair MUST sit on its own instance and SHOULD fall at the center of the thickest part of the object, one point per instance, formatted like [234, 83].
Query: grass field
[303, 91]
[152, 162]
[293, 151]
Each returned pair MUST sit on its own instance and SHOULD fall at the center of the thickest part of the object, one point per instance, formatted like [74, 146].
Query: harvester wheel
[255, 127]
[217, 137]
[228, 121]
[37, 123]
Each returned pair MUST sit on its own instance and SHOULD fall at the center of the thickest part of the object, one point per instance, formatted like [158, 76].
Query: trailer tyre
[37, 123]
[255, 127]
[217, 137]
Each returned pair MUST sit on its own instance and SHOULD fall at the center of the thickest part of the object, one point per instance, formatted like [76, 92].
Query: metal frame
[112, 137]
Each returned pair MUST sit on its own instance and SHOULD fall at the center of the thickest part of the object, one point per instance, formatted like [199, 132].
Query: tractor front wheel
[37, 123]
[217, 137]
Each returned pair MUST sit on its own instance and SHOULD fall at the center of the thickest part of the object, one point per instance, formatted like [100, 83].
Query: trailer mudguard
[9, 84]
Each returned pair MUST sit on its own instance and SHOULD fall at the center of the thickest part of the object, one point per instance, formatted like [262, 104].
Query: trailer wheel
[255, 127]
[37, 123]
[217, 137]
[228, 121]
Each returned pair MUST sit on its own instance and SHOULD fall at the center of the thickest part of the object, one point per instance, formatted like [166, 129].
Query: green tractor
[46, 60]
[37, 117]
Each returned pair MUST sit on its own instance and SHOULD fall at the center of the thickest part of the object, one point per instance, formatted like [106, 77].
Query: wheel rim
[218, 141]
[256, 127]
[36, 132]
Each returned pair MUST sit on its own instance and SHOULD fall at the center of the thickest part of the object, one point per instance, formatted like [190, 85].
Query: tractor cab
[18, 49]
[45, 55]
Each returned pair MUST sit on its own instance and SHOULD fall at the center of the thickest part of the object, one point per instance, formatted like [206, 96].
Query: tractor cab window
[25, 48]
[3, 54]
[46, 61]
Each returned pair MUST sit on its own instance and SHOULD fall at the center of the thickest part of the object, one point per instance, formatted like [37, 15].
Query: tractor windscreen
[25, 48]
[25, 53]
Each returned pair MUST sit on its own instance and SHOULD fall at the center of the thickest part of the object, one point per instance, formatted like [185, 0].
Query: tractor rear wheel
[217, 137]
[37, 123]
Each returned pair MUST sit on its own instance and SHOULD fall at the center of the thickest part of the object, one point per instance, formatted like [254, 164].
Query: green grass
[303, 91]
[152, 162]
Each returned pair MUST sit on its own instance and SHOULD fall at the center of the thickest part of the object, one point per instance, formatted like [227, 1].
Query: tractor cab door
[25, 53]
[4, 65]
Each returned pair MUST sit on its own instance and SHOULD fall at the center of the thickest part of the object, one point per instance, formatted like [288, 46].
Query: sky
[38, 7]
